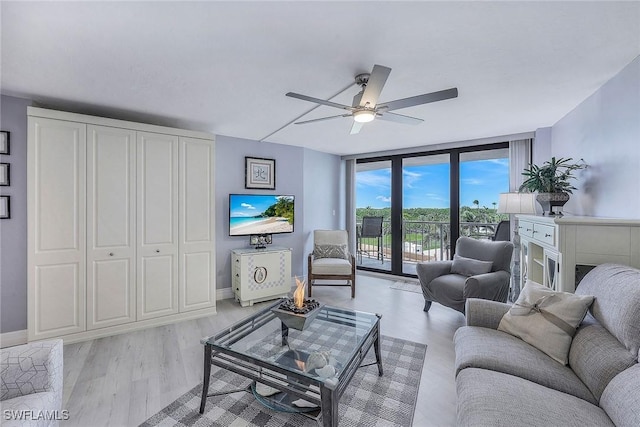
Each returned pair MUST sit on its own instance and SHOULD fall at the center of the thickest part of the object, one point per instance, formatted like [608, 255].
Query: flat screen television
[260, 214]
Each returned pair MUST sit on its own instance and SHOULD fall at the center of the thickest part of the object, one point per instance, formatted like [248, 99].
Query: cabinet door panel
[59, 298]
[157, 225]
[197, 283]
[156, 298]
[110, 226]
[56, 227]
[112, 292]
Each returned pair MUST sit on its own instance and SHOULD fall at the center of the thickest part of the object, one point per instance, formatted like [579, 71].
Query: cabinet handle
[534, 231]
[529, 229]
[547, 235]
[110, 253]
[237, 275]
[237, 260]
[157, 251]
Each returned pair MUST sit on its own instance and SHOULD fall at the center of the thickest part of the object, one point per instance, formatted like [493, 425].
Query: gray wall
[311, 176]
[604, 130]
[13, 231]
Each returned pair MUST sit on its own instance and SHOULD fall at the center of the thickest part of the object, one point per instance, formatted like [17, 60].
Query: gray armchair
[480, 269]
[32, 381]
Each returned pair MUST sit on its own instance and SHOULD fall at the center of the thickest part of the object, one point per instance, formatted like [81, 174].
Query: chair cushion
[499, 253]
[331, 266]
[469, 267]
[546, 319]
[330, 251]
[493, 399]
[330, 237]
[485, 348]
[617, 297]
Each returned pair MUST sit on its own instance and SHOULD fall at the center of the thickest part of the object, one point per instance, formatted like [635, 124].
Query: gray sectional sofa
[503, 381]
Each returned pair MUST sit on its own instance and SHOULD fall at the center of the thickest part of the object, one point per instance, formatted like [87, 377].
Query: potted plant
[551, 181]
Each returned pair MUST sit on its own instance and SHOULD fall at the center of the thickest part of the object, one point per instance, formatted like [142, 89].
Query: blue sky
[248, 205]
[428, 186]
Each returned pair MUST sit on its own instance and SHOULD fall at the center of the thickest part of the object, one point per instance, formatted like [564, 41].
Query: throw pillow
[330, 251]
[469, 266]
[546, 319]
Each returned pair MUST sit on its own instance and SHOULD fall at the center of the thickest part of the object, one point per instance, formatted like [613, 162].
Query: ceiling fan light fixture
[364, 116]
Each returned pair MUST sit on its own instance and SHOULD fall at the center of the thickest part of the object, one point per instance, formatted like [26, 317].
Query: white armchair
[331, 260]
[32, 381]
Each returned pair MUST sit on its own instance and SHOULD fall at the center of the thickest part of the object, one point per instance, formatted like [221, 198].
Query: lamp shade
[517, 203]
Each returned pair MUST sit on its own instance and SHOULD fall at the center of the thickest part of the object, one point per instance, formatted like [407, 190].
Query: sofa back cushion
[621, 398]
[597, 357]
[616, 289]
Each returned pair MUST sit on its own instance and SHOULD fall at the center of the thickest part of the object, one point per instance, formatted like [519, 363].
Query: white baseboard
[9, 339]
[224, 293]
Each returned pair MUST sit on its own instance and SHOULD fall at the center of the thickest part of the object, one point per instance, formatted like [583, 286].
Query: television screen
[260, 214]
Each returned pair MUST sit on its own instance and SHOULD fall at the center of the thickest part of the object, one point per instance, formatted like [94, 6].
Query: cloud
[472, 181]
[384, 199]
[410, 178]
[377, 179]
[247, 206]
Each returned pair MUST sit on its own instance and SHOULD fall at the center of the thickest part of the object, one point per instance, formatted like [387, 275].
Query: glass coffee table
[307, 371]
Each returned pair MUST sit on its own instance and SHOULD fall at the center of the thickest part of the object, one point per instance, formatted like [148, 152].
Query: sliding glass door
[373, 207]
[423, 202]
[426, 198]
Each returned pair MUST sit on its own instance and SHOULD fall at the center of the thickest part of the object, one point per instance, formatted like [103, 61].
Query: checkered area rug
[369, 400]
[407, 286]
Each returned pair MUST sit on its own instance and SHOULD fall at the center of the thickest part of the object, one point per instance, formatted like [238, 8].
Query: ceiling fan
[365, 105]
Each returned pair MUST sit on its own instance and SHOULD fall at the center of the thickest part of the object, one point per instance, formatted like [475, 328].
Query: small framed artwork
[5, 175]
[4, 142]
[260, 173]
[5, 207]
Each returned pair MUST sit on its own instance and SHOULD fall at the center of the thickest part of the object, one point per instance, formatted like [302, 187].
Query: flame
[298, 294]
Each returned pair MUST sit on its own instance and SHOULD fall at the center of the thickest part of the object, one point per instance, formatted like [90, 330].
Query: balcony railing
[422, 240]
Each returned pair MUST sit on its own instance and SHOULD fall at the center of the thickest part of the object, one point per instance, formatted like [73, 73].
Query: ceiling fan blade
[399, 118]
[319, 101]
[418, 100]
[322, 119]
[376, 82]
[355, 127]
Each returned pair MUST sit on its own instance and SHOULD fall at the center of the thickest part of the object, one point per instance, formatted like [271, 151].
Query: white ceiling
[224, 67]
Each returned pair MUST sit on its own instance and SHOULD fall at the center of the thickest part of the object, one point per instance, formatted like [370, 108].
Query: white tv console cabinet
[558, 251]
[260, 274]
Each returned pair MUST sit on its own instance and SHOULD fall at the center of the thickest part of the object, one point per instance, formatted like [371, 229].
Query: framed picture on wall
[4, 142]
[5, 175]
[5, 208]
[260, 173]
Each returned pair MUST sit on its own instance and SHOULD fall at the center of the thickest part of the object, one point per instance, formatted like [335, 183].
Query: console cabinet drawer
[545, 233]
[525, 228]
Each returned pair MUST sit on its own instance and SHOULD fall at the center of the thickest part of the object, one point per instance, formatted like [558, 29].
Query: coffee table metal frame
[326, 395]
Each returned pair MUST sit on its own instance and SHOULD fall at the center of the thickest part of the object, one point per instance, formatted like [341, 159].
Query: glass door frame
[396, 160]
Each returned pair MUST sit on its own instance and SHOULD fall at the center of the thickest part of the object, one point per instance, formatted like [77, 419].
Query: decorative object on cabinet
[558, 251]
[260, 240]
[5, 207]
[5, 147]
[260, 274]
[260, 173]
[120, 225]
[5, 174]
[516, 203]
[552, 182]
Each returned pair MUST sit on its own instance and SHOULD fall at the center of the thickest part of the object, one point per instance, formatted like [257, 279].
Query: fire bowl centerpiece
[296, 312]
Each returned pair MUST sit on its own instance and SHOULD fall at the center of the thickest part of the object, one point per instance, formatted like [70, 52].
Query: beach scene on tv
[260, 214]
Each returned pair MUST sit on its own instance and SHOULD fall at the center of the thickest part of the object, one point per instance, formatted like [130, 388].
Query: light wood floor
[124, 379]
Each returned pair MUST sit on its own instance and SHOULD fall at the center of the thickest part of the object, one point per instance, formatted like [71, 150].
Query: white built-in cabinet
[558, 251]
[120, 225]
